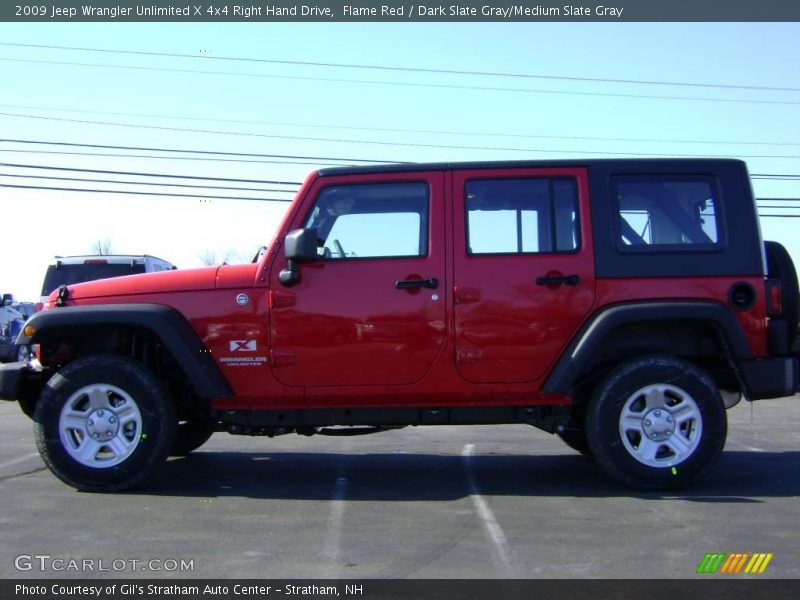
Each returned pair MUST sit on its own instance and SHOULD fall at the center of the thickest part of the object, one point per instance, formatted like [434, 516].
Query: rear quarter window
[666, 213]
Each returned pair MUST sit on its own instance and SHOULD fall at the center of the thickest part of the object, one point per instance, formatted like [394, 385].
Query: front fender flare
[166, 323]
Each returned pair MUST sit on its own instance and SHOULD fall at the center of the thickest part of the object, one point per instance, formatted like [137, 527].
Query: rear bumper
[770, 377]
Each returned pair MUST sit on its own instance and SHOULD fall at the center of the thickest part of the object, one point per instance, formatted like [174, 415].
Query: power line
[778, 199]
[150, 183]
[88, 180]
[179, 150]
[400, 130]
[173, 195]
[63, 189]
[264, 181]
[405, 69]
[398, 83]
[373, 142]
[142, 174]
[184, 158]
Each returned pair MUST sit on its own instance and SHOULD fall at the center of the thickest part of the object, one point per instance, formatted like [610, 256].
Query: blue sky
[255, 102]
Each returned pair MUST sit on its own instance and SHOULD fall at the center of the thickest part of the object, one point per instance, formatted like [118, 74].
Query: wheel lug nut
[91, 422]
[647, 422]
[99, 413]
[96, 435]
[658, 413]
[112, 420]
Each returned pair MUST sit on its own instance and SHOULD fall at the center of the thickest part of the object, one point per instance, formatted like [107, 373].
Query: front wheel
[656, 423]
[190, 435]
[104, 423]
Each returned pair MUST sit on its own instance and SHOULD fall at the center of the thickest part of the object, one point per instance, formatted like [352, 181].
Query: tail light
[774, 298]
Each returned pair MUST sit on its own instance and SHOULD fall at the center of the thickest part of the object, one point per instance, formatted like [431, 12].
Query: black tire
[682, 397]
[139, 406]
[190, 435]
[780, 266]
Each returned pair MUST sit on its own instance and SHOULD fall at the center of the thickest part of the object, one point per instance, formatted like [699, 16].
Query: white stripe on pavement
[330, 551]
[501, 551]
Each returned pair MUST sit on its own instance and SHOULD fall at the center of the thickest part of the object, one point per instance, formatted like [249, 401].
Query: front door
[524, 269]
[371, 310]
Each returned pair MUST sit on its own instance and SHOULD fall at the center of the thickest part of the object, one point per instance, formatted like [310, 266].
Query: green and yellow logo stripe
[734, 563]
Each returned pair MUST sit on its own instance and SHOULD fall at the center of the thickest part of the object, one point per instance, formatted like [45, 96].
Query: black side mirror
[300, 246]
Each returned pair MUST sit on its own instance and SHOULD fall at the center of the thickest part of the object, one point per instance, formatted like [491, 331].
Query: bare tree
[210, 258]
[102, 247]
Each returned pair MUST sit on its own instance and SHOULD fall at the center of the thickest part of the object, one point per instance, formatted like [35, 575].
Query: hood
[145, 283]
[184, 280]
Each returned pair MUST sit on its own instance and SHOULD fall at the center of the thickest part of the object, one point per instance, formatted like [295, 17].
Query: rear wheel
[104, 423]
[656, 423]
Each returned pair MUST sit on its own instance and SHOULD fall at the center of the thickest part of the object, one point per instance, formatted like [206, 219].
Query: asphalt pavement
[421, 502]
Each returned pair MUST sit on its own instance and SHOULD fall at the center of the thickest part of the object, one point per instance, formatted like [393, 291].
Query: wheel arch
[116, 329]
[703, 332]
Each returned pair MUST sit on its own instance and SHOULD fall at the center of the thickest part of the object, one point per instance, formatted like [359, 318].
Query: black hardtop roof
[622, 163]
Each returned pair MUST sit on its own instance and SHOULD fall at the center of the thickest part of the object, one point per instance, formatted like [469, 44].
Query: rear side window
[371, 221]
[655, 213]
[521, 216]
[70, 274]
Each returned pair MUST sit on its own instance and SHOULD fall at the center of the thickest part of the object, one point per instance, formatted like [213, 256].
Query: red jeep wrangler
[621, 304]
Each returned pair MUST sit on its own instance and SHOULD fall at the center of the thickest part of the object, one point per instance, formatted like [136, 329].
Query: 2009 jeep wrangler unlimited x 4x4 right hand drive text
[621, 304]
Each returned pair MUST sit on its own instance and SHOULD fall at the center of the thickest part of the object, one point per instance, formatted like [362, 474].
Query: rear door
[523, 269]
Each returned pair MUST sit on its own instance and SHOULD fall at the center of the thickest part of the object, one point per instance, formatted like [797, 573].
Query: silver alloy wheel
[100, 426]
[660, 425]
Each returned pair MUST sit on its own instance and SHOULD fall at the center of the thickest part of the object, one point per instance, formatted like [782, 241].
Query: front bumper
[12, 376]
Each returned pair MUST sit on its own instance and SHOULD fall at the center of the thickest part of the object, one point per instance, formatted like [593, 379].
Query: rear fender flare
[589, 339]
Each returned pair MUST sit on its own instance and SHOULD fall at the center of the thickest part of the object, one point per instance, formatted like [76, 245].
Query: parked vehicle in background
[11, 321]
[68, 270]
[26, 309]
[623, 305]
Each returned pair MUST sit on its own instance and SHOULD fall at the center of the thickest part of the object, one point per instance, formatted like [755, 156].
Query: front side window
[666, 213]
[521, 216]
[371, 220]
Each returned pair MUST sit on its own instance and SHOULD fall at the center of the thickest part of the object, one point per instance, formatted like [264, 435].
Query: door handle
[561, 280]
[411, 284]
